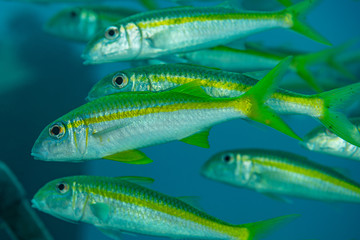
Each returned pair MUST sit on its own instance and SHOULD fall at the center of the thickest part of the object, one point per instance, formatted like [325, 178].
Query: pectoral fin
[103, 132]
[130, 156]
[277, 197]
[199, 139]
[100, 210]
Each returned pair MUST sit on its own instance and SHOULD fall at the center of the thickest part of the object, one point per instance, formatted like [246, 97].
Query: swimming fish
[113, 126]
[219, 83]
[117, 205]
[182, 29]
[250, 60]
[323, 140]
[276, 173]
[81, 23]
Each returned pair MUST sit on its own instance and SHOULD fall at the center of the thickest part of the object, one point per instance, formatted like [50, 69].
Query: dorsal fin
[191, 200]
[137, 180]
[192, 88]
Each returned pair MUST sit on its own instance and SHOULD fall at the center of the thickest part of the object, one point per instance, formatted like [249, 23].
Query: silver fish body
[216, 83]
[277, 173]
[181, 29]
[121, 122]
[83, 22]
[118, 205]
[323, 140]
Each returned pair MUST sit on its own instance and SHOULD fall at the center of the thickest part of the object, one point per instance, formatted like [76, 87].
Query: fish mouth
[37, 156]
[307, 145]
[89, 99]
[35, 204]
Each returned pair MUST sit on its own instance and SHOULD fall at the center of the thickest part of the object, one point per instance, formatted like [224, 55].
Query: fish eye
[57, 130]
[111, 33]
[73, 14]
[228, 158]
[120, 80]
[62, 187]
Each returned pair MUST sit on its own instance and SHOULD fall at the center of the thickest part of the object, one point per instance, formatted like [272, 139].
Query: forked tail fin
[296, 19]
[252, 102]
[286, 3]
[327, 56]
[259, 230]
[336, 121]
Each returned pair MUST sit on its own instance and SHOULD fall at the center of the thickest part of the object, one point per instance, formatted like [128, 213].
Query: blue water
[53, 81]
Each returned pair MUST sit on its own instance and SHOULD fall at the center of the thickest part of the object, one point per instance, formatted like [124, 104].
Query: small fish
[83, 22]
[182, 29]
[323, 140]
[257, 58]
[276, 173]
[217, 83]
[117, 205]
[113, 126]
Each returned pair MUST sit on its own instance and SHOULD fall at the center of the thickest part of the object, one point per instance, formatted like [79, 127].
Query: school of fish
[191, 70]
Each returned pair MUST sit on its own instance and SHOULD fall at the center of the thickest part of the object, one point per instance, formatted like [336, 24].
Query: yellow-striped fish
[182, 29]
[275, 173]
[113, 126]
[118, 205]
[323, 107]
[81, 23]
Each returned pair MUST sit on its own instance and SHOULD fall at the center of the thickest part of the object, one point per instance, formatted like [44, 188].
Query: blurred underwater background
[43, 77]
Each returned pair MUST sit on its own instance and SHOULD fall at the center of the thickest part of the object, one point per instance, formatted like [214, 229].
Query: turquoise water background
[51, 81]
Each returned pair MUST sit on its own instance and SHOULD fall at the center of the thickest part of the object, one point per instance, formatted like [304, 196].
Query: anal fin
[130, 156]
[199, 139]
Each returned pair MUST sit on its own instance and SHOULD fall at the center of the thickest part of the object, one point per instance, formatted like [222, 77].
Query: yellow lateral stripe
[145, 111]
[171, 210]
[212, 17]
[316, 104]
[308, 172]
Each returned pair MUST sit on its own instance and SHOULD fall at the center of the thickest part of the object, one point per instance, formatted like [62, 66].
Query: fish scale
[182, 29]
[121, 122]
[277, 172]
[142, 204]
[119, 205]
[215, 82]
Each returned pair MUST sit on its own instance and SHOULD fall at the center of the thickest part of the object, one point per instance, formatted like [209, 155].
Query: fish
[216, 83]
[256, 59]
[181, 29]
[323, 140]
[115, 126]
[19, 219]
[81, 23]
[118, 205]
[277, 174]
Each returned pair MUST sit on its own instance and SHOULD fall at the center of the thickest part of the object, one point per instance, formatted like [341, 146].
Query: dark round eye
[73, 14]
[62, 187]
[228, 158]
[120, 80]
[111, 33]
[57, 130]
